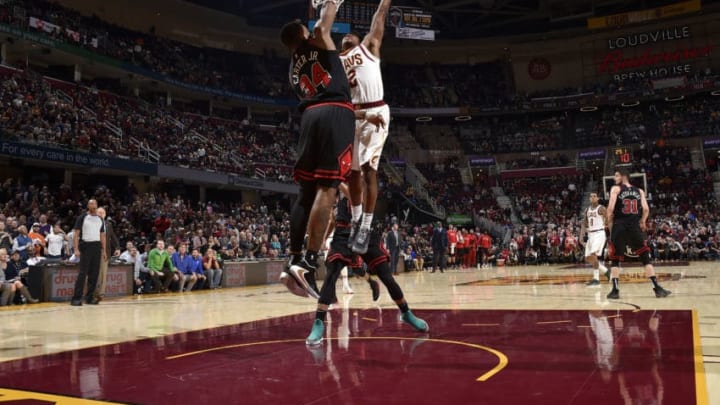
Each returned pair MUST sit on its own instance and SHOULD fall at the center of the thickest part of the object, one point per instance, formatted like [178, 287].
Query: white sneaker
[292, 285]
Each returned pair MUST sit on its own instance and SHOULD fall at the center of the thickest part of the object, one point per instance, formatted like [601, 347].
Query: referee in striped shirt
[89, 243]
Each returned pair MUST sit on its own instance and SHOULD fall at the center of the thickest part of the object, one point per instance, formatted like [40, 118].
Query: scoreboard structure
[622, 156]
[359, 15]
[350, 12]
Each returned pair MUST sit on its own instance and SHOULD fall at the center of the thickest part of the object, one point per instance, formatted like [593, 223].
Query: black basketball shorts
[324, 151]
[627, 241]
[375, 256]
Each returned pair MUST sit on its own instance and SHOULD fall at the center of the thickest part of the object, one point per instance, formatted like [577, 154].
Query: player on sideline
[325, 145]
[452, 241]
[594, 226]
[361, 60]
[628, 212]
[377, 260]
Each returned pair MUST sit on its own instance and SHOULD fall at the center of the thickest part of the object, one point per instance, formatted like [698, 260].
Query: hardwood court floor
[510, 335]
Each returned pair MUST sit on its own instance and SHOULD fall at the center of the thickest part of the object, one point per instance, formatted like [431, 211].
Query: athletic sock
[616, 283]
[356, 212]
[596, 274]
[295, 257]
[403, 307]
[367, 220]
[311, 256]
[321, 315]
[653, 279]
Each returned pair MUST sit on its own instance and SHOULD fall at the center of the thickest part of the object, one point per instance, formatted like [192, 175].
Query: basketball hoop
[318, 3]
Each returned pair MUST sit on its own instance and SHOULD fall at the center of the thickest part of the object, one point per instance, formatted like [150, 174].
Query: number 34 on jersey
[312, 82]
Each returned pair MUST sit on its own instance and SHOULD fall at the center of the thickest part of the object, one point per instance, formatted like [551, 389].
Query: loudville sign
[645, 38]
[651, 63]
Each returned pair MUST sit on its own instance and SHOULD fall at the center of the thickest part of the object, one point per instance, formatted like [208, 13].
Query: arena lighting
[462, 118]
[630, 104]
[423, 119]
[678, 98]
[715, 93]
[588, 108]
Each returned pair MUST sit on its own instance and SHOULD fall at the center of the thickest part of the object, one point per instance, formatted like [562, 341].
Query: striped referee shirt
[90, 226]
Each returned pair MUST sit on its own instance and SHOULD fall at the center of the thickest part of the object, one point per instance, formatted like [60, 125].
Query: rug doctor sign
[653, 54]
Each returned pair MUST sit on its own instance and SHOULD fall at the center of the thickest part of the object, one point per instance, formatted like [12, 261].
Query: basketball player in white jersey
[604, 345]
[594, 226]
[361, 59]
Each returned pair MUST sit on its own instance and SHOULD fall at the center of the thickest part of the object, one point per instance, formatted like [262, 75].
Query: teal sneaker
[316, 334]
[417, 323]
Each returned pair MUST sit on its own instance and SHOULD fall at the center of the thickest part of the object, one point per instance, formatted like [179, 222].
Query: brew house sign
[638, 55]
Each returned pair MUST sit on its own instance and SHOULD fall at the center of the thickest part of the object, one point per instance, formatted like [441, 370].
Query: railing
[235, 161]
[64, 96]
[175, 121]
[195, 135]
[145, 153]
[394, 172]
[497, 230]
[413, 174]
[422, 193]
[114, 129]
[89, 112]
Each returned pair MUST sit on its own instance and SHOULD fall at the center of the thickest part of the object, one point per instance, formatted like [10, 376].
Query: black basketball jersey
[317, 76]
[343, 215]
[628, 207]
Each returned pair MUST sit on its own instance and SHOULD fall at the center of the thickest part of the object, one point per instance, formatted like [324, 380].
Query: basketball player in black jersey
[324, 154]
[628, 212]
[341, 255]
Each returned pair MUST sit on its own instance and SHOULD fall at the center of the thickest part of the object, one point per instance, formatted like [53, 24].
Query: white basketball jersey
[596, 221]
[363, 72]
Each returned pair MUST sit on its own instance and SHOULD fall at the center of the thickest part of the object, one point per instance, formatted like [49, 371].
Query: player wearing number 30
[628, 211]
[361, 60]
[324, 153]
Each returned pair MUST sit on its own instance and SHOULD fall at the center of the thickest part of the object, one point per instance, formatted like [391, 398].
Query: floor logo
[549, 279]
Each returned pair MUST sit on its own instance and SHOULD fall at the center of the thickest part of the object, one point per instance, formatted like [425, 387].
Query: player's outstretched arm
[323, 27]
[614, 191]
[373, 40]
[646, 211]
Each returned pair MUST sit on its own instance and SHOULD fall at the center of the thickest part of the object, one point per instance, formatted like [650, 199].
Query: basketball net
[318, 3]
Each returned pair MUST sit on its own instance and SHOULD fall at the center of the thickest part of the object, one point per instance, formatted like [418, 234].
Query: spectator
[127, 256]
[16, 271]
[7, 288]
[197, 269]
[184, 265]
[6, 240]
[55, 242]
[141, 276]
[160, 266]
[212, 269]
[22, 242]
